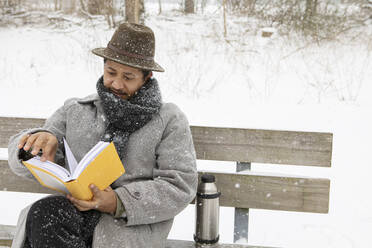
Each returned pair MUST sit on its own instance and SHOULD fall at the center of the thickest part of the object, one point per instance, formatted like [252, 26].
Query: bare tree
[310, 9]
[9, 5]
[57, 5]
[135, 11]
[203, 4]
[159, 7]
[242, 6]
[109, 12]
[224, 19]
[310, 12]
[189, 6]
[68, 6]
[82, 5]
[94, 7]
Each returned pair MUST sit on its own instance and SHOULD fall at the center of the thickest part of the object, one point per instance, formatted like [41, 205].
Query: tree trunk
[159, 7]
[189, 6]
[94, 7]
[315, 5]
[310, 10]
[141, 11]
[224, 19]
[68, 6]
[135, 11]
[109, 11]
[203, 4]
[131, 11]
[82, 5]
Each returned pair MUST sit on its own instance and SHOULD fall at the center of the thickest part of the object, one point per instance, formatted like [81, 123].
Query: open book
[100, 166]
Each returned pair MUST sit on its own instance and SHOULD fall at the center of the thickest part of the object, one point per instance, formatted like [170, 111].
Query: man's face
[122, 80]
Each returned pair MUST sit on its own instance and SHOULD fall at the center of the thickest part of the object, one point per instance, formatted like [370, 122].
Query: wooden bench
[239, 190]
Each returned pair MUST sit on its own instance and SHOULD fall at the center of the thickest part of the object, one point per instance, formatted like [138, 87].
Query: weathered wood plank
[11, 182]
[7, 234]
[191, 244]
[263, 146]
[238, 190]
[273, 192]
[5, 243]
[232, 144]
[11, 125]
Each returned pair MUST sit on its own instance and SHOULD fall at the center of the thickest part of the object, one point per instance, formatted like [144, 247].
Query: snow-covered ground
[247, 81]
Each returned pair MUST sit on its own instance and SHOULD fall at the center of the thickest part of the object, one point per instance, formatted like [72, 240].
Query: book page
[85, 161]
[71, 161]
[51, 167]
[49, 181]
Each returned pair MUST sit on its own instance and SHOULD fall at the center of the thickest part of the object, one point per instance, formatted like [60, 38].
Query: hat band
[133, 55]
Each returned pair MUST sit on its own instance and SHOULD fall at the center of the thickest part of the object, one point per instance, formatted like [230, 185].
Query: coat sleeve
[56, 124]
[175, 177]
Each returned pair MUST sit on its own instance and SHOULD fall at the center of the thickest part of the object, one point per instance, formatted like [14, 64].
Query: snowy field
[247, 81]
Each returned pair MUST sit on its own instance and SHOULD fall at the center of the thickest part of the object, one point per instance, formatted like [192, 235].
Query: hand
[103, 200]
[40, 141]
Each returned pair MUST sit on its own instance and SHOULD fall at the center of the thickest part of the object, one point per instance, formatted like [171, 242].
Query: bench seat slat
[231, 144]
[238, 190]
[7, 234]
[191, 244]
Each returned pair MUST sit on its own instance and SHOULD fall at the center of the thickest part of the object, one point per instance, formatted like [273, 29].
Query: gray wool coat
[160, 178]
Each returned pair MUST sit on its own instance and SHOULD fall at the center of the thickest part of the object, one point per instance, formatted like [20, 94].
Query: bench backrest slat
[238, 190]
[263, 146]
[10, 126]
[273, 192]
[231, 144]
[11, 182]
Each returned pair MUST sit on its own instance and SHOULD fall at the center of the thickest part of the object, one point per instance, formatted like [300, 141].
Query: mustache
[121, 93]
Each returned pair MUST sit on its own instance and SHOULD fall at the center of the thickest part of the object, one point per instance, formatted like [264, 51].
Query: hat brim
[138, 63]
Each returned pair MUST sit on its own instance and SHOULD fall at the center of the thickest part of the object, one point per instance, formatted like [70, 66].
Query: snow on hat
[133, 45]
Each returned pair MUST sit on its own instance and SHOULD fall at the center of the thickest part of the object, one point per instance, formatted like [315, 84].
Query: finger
[30, 141]
[49, 151]
[23, 140]
[82, 203]
[95, 190]
[108, 189]
[38, 144]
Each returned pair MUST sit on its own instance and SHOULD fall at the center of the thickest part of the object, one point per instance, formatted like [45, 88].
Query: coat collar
[89, 99]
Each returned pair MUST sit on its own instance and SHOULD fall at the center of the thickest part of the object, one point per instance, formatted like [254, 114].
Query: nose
[118, 84]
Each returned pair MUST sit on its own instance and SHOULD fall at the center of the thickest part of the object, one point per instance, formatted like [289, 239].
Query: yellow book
[100, 166]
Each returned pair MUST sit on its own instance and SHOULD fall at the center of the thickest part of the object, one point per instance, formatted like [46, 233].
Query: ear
[148, 76]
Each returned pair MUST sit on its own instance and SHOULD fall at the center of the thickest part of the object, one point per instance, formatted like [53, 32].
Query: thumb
[95, 190]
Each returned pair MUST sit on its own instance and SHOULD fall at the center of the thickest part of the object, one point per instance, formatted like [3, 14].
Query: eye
[111, 73]
[127, 78]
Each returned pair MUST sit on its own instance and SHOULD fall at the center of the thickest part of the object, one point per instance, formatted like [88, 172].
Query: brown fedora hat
[133, 45]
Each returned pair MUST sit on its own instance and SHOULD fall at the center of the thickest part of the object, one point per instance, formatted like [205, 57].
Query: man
[153, 140]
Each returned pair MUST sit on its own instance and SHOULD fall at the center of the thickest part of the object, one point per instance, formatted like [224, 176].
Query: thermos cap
[208, 178]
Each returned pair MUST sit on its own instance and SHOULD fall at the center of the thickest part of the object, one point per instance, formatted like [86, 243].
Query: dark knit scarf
[127, 116]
